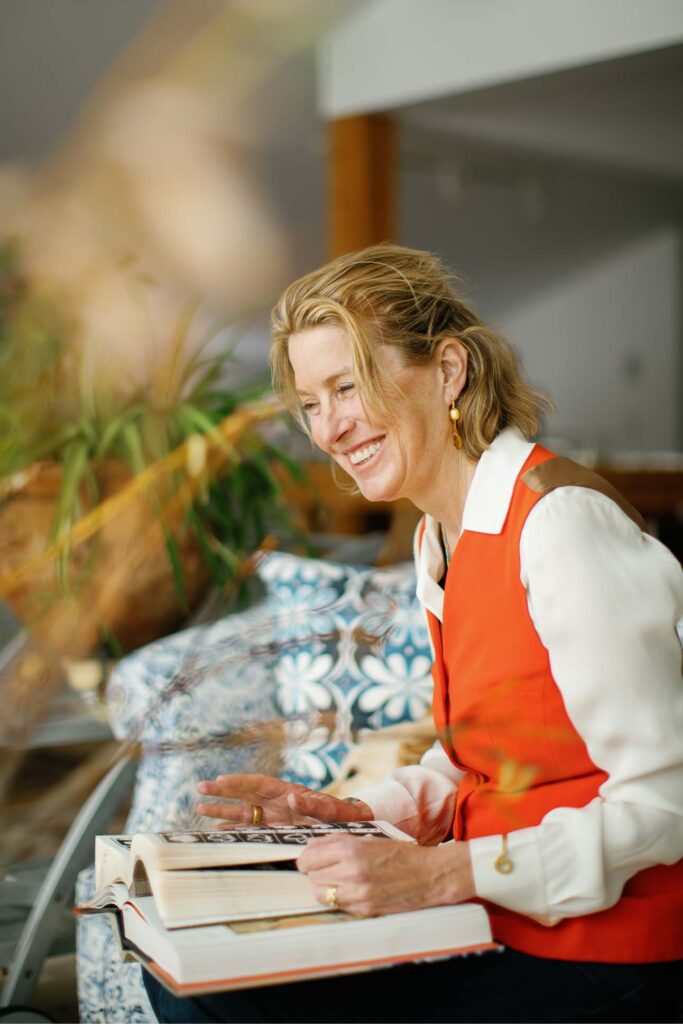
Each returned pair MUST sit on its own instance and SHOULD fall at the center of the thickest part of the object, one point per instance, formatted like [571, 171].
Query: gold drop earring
[454, 416]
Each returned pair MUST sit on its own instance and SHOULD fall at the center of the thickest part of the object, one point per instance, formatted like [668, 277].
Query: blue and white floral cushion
[354, 655]
[331, 652]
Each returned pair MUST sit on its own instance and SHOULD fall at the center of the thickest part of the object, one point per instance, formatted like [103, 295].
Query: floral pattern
[357, 657]
[402, 685]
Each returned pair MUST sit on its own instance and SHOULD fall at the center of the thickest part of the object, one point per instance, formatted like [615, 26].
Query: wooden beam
[362, 182]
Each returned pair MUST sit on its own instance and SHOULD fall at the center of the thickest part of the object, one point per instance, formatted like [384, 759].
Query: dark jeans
[504, 987]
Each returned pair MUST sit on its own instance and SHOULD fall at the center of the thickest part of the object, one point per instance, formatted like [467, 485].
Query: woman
[557, 671]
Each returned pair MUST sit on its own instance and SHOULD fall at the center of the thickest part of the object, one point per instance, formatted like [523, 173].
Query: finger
[334, 875]
[225, 786]
[322, 854]
[349, 896]
[320, 806]
[239, 813]
[299, 807]
[263, 787]
[209, 788]
[323, 894]
[345, 898]
[243, 814]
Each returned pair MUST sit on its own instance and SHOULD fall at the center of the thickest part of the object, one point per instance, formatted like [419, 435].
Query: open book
[273, 945]
[228, 874]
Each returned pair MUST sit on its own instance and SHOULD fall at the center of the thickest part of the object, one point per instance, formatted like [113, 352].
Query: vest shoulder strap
[562, 472]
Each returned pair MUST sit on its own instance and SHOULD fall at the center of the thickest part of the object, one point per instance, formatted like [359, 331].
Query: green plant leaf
[206, 544]
[218, 361]
[74, 465]
[205, 383]
[111, 641]
[176, 368]
[196, 420]
[176, 568]
[263, 474]
[88, 430]
[110, 435]
[132, 443]
[58, 443]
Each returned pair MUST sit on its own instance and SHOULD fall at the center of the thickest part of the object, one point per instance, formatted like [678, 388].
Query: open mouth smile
[361, 456]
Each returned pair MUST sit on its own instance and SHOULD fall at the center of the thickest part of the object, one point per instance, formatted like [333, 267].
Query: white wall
[604, 342]
[583, 274]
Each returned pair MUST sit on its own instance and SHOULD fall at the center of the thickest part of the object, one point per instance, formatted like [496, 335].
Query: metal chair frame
[46, 921]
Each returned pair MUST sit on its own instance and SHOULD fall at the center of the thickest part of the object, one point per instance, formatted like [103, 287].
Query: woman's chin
[377, 490]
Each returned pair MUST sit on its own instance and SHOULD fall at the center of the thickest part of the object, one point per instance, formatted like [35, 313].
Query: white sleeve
[604, 599]
[419, 799]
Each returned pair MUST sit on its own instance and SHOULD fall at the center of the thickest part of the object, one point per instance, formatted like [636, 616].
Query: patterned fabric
[332, 651]
[109, 991]
[286, 688]
[200, 683]
[353, 655]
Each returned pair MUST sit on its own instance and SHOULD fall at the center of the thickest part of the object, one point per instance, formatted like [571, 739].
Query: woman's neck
[445, 501]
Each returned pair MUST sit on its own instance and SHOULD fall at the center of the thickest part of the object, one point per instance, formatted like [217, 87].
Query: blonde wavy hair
[390, 295]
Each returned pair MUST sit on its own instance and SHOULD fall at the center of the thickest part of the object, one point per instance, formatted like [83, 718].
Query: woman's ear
[452, 356]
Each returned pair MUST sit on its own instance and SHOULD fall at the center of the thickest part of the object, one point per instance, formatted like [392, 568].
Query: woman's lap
[506, 986]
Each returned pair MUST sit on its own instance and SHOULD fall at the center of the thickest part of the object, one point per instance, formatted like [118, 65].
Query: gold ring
[331, 897]
[257, 814]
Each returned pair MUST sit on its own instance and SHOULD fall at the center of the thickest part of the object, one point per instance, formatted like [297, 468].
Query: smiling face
[386, 460]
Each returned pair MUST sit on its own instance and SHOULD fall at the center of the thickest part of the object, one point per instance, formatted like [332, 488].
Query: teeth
[361, 454]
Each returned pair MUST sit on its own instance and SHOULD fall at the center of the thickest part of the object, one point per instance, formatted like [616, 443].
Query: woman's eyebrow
[328, 380]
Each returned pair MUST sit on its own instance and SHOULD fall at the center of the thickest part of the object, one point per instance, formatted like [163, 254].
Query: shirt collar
[490, 493]
[486, 508]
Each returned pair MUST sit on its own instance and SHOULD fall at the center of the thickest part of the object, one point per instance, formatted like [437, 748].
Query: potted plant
[207, 498]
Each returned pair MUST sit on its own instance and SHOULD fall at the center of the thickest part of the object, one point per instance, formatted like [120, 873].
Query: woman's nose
[331, 428]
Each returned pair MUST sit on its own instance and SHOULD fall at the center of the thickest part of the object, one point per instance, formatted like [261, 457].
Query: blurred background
[166, 167]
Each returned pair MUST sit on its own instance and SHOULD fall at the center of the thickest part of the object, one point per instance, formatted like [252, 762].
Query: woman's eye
[345, 388]
[308, 407]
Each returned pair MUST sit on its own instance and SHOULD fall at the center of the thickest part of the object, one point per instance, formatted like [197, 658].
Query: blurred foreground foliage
[52, 412]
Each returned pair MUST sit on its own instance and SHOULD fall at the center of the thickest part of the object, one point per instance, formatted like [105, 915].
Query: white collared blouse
[605, 599]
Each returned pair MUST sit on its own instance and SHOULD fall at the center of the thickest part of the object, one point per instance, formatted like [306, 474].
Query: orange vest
[502, 720]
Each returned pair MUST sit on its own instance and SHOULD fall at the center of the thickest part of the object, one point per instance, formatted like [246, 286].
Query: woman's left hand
[369, 876]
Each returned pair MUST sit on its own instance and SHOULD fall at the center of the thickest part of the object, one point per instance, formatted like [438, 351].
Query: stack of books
[211, 911]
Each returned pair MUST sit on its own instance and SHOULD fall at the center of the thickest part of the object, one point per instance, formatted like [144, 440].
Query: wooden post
[362, 182]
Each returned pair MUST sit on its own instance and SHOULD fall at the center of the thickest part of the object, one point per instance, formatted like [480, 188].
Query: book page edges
[303, 974]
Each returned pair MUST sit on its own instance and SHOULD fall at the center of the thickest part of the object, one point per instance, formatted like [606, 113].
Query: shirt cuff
[390, 801]
[517, 885]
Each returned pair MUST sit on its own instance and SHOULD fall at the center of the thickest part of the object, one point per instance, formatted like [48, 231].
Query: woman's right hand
[282, 803]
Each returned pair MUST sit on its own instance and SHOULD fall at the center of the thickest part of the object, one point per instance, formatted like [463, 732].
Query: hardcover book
[226, 874]
[264, 934]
